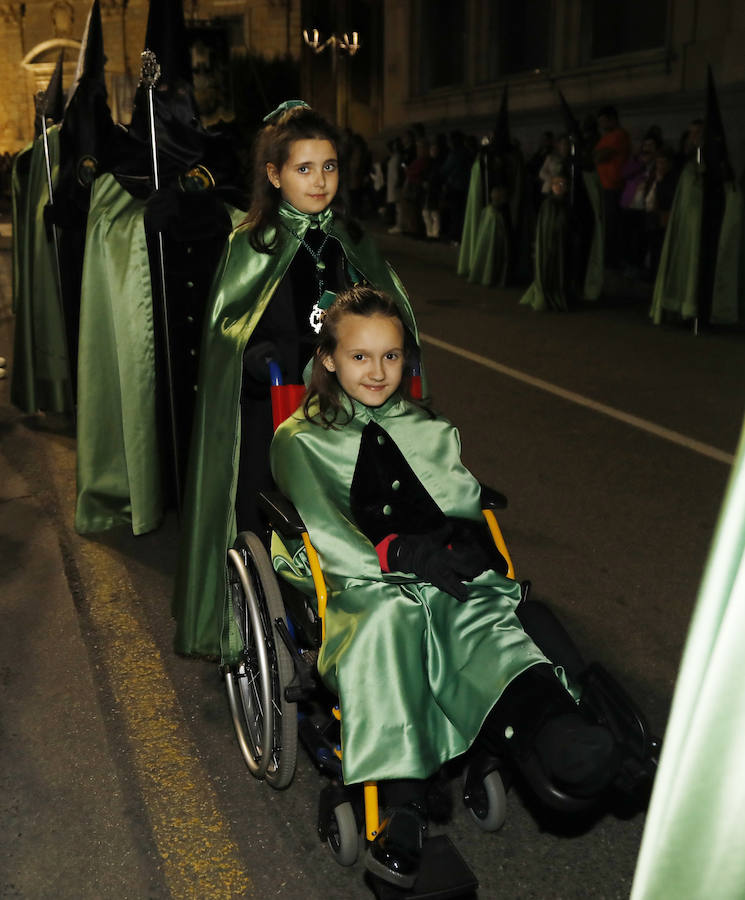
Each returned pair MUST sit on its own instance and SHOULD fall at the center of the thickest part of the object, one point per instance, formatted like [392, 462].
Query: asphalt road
[120, 775]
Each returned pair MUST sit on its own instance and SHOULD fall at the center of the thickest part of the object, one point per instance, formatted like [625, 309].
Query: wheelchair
[275, 695]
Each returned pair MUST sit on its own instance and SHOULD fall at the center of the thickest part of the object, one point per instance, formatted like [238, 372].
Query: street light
[342, 43]
[337, 44]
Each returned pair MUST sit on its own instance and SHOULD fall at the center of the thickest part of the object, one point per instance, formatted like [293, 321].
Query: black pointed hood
[571, 125]
[85, 136]
[166, 37]
[53, 102]
[92, 59]
[714, 145]
[502, 141]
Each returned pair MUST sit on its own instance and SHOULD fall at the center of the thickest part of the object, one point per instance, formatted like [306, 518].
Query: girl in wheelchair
[278, 271]
[422, 642]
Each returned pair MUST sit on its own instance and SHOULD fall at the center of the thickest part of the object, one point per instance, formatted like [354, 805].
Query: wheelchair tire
[343, 834]
[257, 683]
[490, 810]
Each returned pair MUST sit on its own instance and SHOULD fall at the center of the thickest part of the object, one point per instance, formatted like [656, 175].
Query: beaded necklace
[316, 314]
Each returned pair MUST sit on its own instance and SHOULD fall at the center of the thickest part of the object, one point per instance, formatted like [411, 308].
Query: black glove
[472, 544]
[428, 556]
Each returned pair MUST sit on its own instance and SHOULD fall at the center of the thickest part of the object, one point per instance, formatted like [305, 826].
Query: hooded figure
[126, 454]
[494, 224]
[568, 263]
[699, 264]
[41, 371]
[86, 139]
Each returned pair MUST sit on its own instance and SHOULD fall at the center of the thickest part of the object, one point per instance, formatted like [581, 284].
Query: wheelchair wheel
[488, 803]
[343, 834]
[265, 723]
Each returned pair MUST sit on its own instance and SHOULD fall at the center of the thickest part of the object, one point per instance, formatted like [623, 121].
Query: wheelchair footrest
[444, 875]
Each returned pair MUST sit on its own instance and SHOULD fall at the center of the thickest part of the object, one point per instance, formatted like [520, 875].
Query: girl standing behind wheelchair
[281, 267]
[422, 645]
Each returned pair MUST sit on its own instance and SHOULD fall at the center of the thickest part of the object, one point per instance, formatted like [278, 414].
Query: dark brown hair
[359, 300]
[273, 145]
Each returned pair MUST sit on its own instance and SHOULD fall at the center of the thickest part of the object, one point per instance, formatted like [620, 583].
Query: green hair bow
[283, 107]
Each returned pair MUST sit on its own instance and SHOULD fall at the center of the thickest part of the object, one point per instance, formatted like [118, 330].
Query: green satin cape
[728, 297]
[692, 846]
[244, 285]
[415, 670]
[474, 206]
[676, 285]
[40, 376]
[548, 290]
[19, 199]
[491, 250]
[118, 462]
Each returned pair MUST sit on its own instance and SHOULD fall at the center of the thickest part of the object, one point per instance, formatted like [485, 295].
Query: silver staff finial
[150, 69]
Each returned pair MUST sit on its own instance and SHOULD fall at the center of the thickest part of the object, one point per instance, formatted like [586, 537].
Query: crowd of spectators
[420, 185]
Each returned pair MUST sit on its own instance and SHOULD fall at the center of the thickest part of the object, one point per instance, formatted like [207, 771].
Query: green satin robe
[40, 376]
[677, 283]
[19, 199]
[244, 285]
[416, 671]
[474, 206]
[118, 462]
[728, 296]
[692, 846]
[491, 249]
[549, 287]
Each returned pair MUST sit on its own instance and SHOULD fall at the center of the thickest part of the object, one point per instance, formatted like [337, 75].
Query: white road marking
[666, 434]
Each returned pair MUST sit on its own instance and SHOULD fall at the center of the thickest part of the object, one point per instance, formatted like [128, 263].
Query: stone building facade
[32, 34]
[446, 63]
[439, 62]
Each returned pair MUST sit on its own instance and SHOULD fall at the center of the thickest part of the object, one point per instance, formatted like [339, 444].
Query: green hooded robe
[244, 285]
[416, 671]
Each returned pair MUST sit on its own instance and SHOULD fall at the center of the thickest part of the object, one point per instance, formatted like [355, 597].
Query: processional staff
[149, 75]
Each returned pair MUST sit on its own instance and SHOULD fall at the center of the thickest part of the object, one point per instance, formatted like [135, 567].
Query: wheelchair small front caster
[343, 834]
[484, 795]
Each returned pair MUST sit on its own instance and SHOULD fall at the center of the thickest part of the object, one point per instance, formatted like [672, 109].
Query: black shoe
[396, 852]
[580, 757]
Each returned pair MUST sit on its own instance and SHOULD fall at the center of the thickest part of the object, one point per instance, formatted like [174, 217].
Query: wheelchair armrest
[281, 514]
[491, 499]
